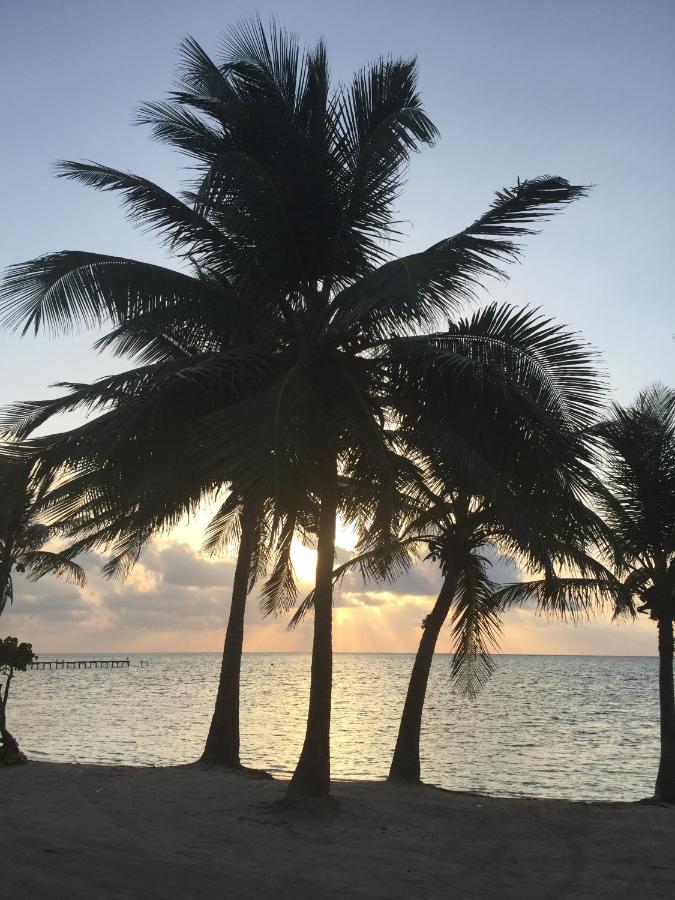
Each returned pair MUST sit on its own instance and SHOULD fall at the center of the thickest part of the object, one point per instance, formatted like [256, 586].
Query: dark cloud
[47, 600]
[173, 592]
[168, 608]
[171, 589]
[423, 579]
[178, 564]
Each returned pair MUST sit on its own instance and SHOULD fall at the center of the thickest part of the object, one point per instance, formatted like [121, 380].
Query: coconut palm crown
[639, 509]
[638, 546]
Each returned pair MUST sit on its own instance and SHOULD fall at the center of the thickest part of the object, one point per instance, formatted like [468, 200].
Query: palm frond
[6, 590]
[177, 126]
[39, 563]
[574, 598]
[62, 290]
[155, 209]
[476, 627]
[279, 593]
[224, 529]
[379, 123]
[416, 290]
[639, 505]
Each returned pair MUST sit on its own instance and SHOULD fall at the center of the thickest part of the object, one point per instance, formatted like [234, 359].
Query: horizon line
[335, 653]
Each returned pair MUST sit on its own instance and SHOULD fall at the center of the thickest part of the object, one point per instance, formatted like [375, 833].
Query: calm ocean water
[546, 726]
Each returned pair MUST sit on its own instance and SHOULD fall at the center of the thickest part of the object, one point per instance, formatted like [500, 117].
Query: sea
[575, 727]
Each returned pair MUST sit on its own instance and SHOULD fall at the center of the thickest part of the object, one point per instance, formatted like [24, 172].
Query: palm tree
[522, 493]
[638, 507]
[283, 232]
[132, 471]
[458, 531]
[23, 534]
[640, 443]
[506, 470]
[129, 473]
[223, 742]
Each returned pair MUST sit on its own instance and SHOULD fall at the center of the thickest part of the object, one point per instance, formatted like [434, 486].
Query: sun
[304, 562]
[304, 558]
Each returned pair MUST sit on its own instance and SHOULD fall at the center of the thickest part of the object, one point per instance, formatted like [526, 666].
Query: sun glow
[304, 562]
[304, 557]
[345, 536]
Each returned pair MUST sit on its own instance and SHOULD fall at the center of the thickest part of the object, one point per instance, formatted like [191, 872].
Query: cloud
[502, 570]
[424, 579]
[47, 602]
[176, 599]
[171, 590]
[179, 565]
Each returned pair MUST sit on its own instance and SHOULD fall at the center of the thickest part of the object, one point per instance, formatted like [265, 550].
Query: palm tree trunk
[8, 741]
[3, 720]
[222, 743]
[665, 780]
[5, 583]
[312, 774]
[405, 765]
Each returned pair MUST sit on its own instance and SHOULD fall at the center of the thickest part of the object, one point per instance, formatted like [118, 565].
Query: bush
[13, 657]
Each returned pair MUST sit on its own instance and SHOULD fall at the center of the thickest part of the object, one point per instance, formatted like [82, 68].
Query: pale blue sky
[581, 88]
[517, 88]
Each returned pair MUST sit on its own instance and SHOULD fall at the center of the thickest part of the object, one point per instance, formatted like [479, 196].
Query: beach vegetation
[23, 532]
[637, 549]
[14, 657]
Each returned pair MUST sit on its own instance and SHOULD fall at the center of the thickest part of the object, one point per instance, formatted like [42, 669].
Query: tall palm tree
[522, 493]
[283, 232]
[640, 443]
[638, 507]
[507, 470]
[129, 473]
[23, 533]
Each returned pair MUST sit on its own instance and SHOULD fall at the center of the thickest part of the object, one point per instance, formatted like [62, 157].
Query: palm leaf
[61, 290]
[475, 627]
[416, 290]
[39, 563]
[178, 225]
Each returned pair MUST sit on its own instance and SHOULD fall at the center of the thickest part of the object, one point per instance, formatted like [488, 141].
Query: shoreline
[85, 830]
[283, 776]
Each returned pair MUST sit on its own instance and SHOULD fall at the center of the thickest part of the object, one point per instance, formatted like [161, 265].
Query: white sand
[75, 831]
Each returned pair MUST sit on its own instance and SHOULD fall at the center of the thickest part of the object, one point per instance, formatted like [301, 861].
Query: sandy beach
[75, 831]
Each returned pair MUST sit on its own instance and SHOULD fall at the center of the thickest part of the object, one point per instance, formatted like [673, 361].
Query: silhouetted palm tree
[459, 532]
[492, 411]
[23, 534]
[640, 442]
[284, 232]
[131, 472]
[638, 507]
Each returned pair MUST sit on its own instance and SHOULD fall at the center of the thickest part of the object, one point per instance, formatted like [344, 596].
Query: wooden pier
[80, 664]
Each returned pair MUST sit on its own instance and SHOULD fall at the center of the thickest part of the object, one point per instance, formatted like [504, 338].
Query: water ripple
[573, 727]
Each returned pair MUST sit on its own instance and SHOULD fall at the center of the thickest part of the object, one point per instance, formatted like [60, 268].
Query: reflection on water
[546, 726]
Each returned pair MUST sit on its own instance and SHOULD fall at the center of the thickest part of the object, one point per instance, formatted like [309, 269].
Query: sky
[517, 89]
